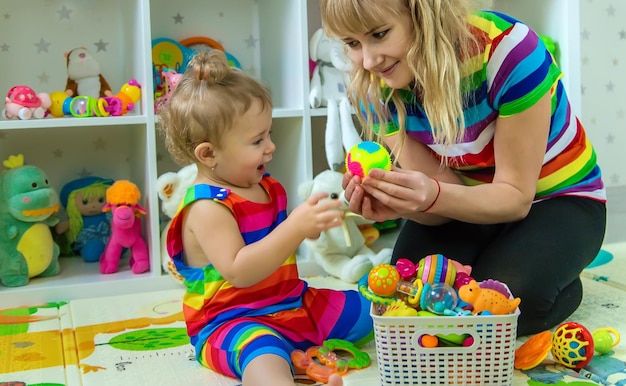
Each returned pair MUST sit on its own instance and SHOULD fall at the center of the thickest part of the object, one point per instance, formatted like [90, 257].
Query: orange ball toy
[383, 279]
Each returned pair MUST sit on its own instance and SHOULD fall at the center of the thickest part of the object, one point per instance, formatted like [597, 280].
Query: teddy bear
[328, 89]
[171, 188]
[83, 75]
[341, 251]
[28, 207]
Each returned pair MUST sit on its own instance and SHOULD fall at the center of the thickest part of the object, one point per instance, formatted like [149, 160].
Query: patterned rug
[140, 339]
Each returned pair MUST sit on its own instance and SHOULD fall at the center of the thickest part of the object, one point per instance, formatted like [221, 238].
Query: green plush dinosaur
[27, 211]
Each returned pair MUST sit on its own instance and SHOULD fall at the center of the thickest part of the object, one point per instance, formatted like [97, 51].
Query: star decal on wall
[4, 47]
[64, 13]
[43, 77]
[99, 144]
[42, 46]
[58, 153]
[622, 35]
[251, 41]
[610, 138]
[610, 11]
[101, 45]
[610, 86]
[178, 19]
[7, 16]
[585, 34]
[84, 173]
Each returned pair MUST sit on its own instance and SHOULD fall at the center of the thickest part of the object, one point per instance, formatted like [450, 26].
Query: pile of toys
[102, 223]
[170, 59]
[436, 286]
[86, 94]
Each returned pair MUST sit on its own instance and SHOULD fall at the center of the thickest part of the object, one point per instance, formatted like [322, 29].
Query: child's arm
[212, 236]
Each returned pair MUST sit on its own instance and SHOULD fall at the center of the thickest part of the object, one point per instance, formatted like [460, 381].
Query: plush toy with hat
[28, 205]
[87, 229]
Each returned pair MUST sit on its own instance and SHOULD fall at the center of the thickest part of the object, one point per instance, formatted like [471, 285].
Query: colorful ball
[57, 99]
[383, 279]
[365, 156]
[436, 268]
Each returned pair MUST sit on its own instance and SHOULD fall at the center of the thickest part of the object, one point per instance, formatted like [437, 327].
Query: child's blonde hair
[208, 98]
[441, 36]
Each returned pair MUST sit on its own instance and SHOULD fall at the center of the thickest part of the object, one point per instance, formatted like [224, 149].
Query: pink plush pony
[170, 80]
[122, 200]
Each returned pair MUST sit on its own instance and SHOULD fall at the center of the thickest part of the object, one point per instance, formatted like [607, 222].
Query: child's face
[89, 206]
[246, 148]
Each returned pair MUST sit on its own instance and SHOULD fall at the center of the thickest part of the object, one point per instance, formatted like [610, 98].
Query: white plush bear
[171, 188]
[341, 251]
[328, 88]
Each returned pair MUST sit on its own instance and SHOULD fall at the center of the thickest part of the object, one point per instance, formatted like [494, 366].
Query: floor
[141, 340]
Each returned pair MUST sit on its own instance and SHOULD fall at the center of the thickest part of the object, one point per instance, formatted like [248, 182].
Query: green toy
[27, 211]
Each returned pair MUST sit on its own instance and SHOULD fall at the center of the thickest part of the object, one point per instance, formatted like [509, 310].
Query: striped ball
[436, 268]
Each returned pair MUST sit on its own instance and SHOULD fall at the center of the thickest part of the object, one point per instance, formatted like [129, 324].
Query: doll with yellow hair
[87, 229]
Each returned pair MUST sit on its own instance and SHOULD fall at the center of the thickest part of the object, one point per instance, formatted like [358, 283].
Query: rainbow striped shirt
[210, 300]
[513, 72]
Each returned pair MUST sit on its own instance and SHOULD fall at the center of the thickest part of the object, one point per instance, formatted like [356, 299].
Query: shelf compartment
[110, 30]
[265, 37]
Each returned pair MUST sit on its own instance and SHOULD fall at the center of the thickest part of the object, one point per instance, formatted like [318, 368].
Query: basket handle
[442, 333]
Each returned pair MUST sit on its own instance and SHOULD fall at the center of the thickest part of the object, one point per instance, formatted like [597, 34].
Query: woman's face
[383, 49]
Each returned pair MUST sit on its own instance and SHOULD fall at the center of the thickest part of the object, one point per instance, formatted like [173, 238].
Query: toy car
[22, 102]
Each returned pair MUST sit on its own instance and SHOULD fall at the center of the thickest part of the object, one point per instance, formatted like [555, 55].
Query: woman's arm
[519, 145]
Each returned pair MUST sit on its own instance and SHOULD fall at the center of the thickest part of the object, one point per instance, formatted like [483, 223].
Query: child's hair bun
[210, 66]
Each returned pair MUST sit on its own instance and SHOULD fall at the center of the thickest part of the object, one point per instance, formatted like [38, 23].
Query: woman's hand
[363, 203]
[399, 191]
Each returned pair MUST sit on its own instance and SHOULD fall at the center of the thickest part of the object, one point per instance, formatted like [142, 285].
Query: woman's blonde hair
[206, 101]
[441, 36]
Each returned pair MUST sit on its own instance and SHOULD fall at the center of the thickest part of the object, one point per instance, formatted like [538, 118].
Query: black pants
[540, 258]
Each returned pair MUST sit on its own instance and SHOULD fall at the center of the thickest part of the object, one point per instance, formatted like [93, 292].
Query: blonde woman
[493, 169]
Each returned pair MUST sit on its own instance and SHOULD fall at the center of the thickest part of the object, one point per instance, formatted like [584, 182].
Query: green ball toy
[366, 156]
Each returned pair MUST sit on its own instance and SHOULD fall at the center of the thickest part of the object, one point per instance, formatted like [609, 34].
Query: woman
[493, 167]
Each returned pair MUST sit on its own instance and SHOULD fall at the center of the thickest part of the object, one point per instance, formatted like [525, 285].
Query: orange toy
[486, 299]
[533, 351]
[383, 279]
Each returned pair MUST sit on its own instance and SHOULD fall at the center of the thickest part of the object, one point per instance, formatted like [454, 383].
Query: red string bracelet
[436, 197]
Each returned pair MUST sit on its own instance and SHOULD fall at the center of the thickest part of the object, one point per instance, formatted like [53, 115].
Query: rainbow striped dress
[301, 315]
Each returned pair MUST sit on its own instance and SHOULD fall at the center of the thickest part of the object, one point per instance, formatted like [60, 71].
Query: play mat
[140, 339]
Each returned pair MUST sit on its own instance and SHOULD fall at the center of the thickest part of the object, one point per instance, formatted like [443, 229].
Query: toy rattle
[571, 345]
[320, 362]
[382, 283]
[365, 156]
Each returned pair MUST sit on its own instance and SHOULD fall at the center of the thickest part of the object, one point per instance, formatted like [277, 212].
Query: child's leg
[237, 344]
[267, 369]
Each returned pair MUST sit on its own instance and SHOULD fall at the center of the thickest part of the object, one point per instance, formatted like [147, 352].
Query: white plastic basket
[488, 361]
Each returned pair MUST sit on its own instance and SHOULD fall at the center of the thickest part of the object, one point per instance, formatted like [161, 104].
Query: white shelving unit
[268, 37]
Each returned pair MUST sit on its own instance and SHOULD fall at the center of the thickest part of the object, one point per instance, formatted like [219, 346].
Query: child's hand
[316, 215]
